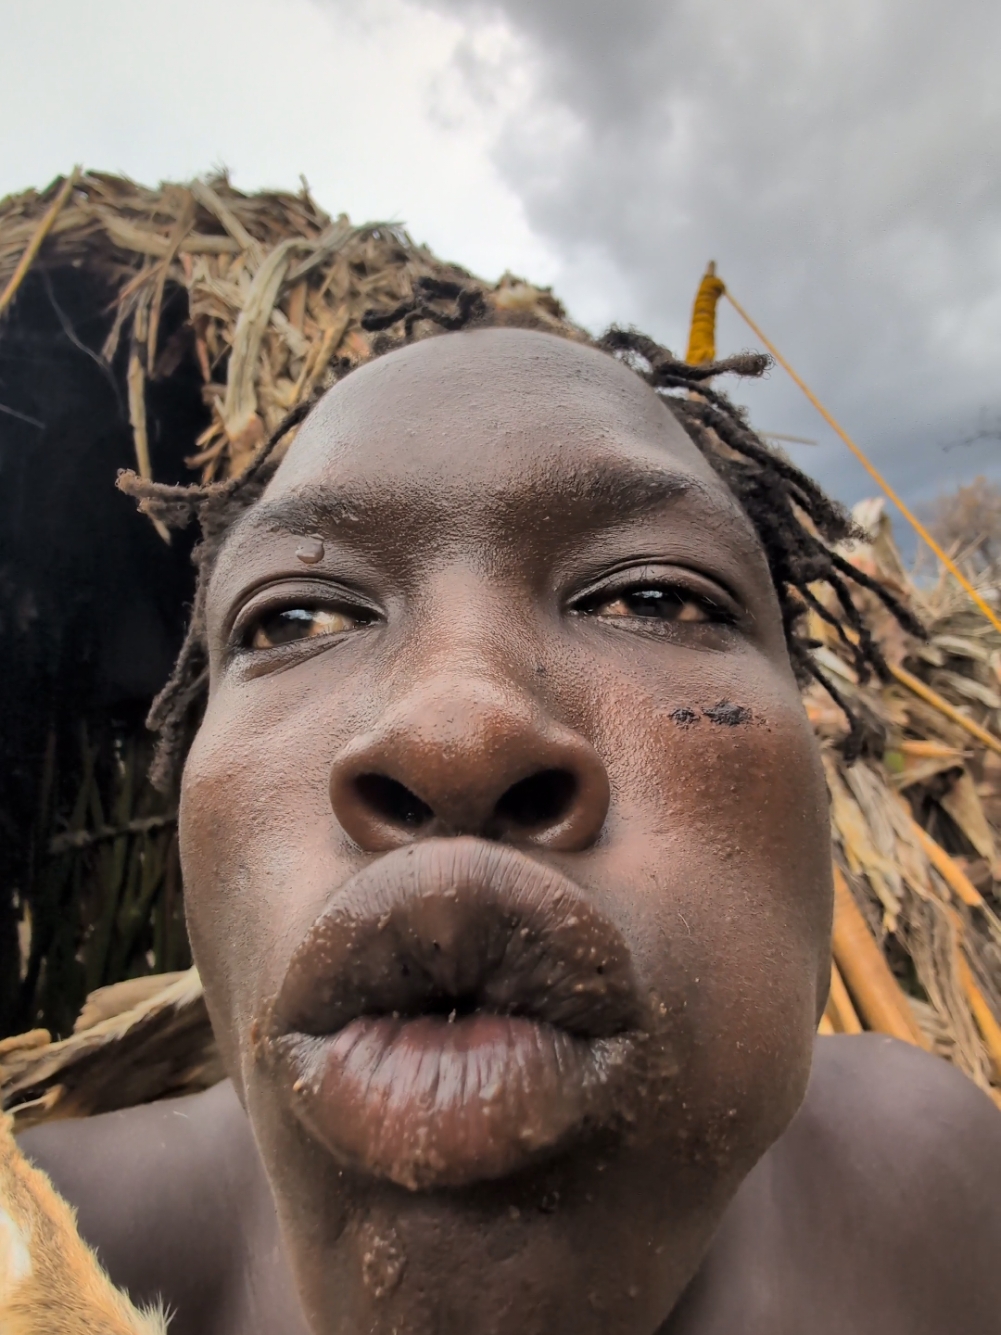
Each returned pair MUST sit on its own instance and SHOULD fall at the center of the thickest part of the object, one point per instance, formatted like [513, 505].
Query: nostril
[543, 799]
[392, 801]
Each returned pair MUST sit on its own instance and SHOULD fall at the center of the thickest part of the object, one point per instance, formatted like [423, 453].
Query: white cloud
[270, 88]
[838, 159]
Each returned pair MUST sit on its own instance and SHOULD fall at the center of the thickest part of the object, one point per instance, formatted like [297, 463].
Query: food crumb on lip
[450, 929]
[407, 1105]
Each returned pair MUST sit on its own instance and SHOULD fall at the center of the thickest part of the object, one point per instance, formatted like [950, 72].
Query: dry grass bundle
[134, 1042]
[917, 820]
[275, 291]
[258, 299]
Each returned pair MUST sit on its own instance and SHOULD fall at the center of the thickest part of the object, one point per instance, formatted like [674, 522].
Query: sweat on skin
[507, 870]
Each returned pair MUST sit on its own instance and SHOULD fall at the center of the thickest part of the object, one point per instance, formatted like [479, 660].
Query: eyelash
[716, 613]
[253, 619]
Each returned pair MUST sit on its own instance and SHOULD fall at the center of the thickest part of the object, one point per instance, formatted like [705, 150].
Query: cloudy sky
[839, 159]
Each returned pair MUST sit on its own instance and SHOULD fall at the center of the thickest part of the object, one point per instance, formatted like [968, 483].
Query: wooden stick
[933, 698]
[315, 364]
[840, 1004]
[953, 875]
[989, 1028]
[135, 379]
[71, 839]
[178, 232]
[876, 993]
[876, 476]
[35, 244]
[297, 306]
[931, 751]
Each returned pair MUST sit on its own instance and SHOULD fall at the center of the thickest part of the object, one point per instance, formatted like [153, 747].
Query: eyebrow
[620, 487]
[606, 489]
[321, 508]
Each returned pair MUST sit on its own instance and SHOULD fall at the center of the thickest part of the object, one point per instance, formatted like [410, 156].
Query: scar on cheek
[728, 715]
[724, 714]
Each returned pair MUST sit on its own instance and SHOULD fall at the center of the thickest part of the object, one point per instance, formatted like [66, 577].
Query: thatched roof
[276, 290]
[251, 299]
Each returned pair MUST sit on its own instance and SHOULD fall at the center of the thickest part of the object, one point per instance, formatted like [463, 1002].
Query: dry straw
[276, 289]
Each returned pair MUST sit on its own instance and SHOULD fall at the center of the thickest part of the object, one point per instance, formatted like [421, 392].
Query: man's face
[505, 844]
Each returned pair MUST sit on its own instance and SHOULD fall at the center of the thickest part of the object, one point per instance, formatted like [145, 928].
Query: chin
[596, 1232]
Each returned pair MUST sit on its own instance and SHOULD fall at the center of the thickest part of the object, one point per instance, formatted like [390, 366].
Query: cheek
[716, 770]
[260, 850]
[720, 842]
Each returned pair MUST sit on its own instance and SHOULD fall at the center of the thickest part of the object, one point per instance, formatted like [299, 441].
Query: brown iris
[301, 623]
[660, 604]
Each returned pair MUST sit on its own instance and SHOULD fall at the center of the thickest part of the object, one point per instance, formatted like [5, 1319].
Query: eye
[660, 602]
[657, 604]
[286, 625]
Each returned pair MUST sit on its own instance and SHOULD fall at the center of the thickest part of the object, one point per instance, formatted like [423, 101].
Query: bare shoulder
[161, 1192]
[878, 1212]
[910, 1150]
[909, 1125]
[113, 1167]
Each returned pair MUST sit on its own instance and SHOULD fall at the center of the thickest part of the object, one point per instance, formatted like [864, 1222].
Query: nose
[465, 758]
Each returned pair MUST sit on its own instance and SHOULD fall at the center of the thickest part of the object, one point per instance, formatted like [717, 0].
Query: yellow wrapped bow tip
[702, 336]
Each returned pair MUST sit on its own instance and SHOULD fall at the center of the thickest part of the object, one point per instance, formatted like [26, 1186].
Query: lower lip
[432, 1102]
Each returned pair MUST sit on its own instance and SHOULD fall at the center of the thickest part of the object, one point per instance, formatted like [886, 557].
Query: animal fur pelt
[51, 1282]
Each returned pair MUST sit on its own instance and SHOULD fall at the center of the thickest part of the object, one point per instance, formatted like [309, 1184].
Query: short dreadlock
[797, 524]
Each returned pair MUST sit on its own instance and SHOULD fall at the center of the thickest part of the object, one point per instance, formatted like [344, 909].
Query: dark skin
[507, 870]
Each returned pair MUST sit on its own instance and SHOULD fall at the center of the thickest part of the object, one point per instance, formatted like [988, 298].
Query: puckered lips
[457, 1012]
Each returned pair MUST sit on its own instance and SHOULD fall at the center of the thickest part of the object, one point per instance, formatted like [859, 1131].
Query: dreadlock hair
[797, 524]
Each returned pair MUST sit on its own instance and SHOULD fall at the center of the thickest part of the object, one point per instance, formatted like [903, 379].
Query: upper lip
[459, 925]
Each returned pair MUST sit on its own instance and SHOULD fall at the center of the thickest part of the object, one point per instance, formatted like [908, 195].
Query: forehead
[495, 411]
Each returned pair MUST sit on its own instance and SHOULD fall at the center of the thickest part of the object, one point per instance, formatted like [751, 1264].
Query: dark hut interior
[92, 607]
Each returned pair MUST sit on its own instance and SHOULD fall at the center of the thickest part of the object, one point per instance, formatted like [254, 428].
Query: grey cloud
[839, 160]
